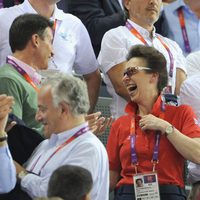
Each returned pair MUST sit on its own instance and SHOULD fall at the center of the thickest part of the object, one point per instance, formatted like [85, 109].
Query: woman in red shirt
[154, 138]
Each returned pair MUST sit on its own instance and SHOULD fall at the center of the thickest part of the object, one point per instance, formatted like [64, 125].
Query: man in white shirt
[139, 29]
[71, 42]
[7, 169]
[62, 105]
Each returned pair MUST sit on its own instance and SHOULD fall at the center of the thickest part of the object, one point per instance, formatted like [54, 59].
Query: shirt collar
[142, 30]
[34, 75]
[58, 14]
[131, 107]
[58, 139]
[27, 7]
[177, 4]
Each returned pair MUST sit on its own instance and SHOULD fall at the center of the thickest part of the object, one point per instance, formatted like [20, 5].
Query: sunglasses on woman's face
[134, 70]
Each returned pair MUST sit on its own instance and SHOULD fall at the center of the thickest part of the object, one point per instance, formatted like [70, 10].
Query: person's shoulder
[191, 83]
[11, 12]
[171, 43]
[194, 55]
[91, 142]
[114, 33]
[115, 30]
[6, 69]
[171, 7]
[7, 16]
[71, 22]
[122, 120]
[180, 110]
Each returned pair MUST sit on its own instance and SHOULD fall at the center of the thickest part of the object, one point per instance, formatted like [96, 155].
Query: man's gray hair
[70, 90]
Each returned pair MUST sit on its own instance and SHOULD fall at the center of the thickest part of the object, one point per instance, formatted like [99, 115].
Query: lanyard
[183, 29]
[54, 28]
[76, 135]
[22, 72]
[134, 158]
[141, 38]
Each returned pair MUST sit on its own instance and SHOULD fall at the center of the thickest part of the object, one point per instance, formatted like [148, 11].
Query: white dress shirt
[7, 171]
[193, 63]
[121, 4]
[71, 44]
[86, 151]
[114, 48]
[190, 95]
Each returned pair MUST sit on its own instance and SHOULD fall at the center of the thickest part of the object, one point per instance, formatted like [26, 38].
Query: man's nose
[38, 117]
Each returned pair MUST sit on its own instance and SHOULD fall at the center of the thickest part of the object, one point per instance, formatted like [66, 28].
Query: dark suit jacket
[98, 16]
[10, 3]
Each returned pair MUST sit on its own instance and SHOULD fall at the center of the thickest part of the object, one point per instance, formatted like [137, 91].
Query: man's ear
[86, 197]
[64, 107]
[126, 4]
[35, 40]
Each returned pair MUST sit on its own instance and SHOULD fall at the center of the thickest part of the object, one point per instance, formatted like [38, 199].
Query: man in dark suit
[98, 16]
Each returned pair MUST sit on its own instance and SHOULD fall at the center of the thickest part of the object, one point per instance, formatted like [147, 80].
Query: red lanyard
[54, 28]
[141, 38]
[136, 33]
[184, 31]
[76, 135]
[22, 72]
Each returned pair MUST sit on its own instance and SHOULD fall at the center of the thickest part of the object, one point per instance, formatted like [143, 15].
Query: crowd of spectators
[55, 57]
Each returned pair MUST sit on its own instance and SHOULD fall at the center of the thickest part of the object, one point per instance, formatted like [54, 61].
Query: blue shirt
[7, 171]
[171, 26]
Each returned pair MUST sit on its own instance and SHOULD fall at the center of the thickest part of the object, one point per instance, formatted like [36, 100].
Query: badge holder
[146, 186]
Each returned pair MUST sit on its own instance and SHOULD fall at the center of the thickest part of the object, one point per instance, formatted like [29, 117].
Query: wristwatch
[3, 136]
[22, 174]
[169, 130]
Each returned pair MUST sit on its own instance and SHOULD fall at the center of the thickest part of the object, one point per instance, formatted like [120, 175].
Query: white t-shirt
[72, 46]
[115, 46]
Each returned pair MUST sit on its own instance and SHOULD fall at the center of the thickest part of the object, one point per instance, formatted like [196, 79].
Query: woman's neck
[145, 107]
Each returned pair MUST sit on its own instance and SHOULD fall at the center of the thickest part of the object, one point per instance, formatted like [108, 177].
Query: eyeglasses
[134, 70]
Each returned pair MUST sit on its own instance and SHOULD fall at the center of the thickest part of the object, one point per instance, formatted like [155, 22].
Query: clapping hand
[6, 103]
[98, 124]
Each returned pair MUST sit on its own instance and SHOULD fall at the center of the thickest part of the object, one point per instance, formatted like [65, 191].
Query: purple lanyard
[141, 38]
[1, 4]
[134, 159]
[77, 134]
[183, 29]
[22, 72]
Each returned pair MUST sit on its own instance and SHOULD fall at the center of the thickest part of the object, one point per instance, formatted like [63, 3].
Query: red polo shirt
[171, 164]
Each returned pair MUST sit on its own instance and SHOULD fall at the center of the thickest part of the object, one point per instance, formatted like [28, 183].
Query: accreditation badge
[146, 186]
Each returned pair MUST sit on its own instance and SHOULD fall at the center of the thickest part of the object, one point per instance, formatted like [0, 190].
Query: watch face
[22, 174]
[169, 130]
